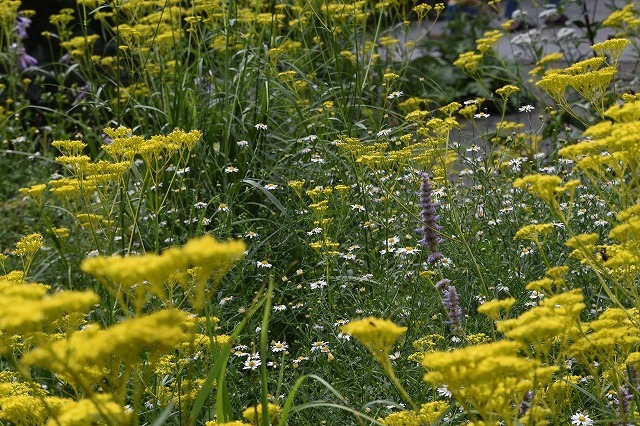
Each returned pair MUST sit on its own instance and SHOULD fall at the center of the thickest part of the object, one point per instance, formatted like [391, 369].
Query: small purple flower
[21, 26]
[623, 401]
[66, 58]
[525, 404]
[442, 284]
[625, 394]
[83, 94]
[428, 217]
[24, 60]
[451, 303]
[435, 257]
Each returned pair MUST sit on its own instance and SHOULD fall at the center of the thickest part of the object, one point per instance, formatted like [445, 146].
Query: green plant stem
[217, 372]
[388, 370]
[264, 347]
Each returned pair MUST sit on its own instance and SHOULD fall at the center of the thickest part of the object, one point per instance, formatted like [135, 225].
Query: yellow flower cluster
[623, 258]
[211, 258]
[254, 414]
[28, 246]
[546, 187]
[35, 193]
[613, 145]
[468, 62]
[611, 48]
[611, 154]
[423, 346]
[425, 149]
[488, 40]
[377, 335]
[13, 276]
[613, 336]
[541, 65]
[491, 379]
[590, 78]
[493, 308]
[95, 410]
[554, 320]
[49, 330]
[626, 20]
[428, 414]
[26, 404]
[86, 357]
[533, 232]
[325, 247]
[27, 308]
[80, 47]
[8, 15]
[505, 91]
[551, 282]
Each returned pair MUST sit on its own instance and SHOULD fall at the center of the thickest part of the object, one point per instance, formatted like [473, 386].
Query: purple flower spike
[451, 303]
[626, 394]
[24, 60]
[21, 26]
[83, 94]
[442, 284]
[623, 401]
[435, 257]
[525, 404]
[428, 217]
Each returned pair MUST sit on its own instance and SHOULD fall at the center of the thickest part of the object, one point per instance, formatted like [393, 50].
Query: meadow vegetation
[248, 212]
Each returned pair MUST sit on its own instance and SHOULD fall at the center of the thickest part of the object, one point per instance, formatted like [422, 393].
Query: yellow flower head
[451, 108]
[428, 414]
[28, 308]
[13, 276]
[505, 91]
[391, 76]
[555, 85]
[100, 408]
[94, 348]
[210, 257]
[544, 186]
[69, 147]
[468, 62]
[388, 41]
[551, 57]
[627, 113]
[28, 246]
[492, 308]
[620, 17]
[533, 232]
[489, 39]
[582, 241]
[378, 335]
[422, 10]
[254, 414]
[555, 317]
[34, 192]
[486, 377]
[612, 48]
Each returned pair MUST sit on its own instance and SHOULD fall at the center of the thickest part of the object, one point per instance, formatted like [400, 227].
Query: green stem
[388, 370]
[264, 345]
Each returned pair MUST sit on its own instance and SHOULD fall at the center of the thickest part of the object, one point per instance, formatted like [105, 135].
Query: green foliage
[321, 135]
